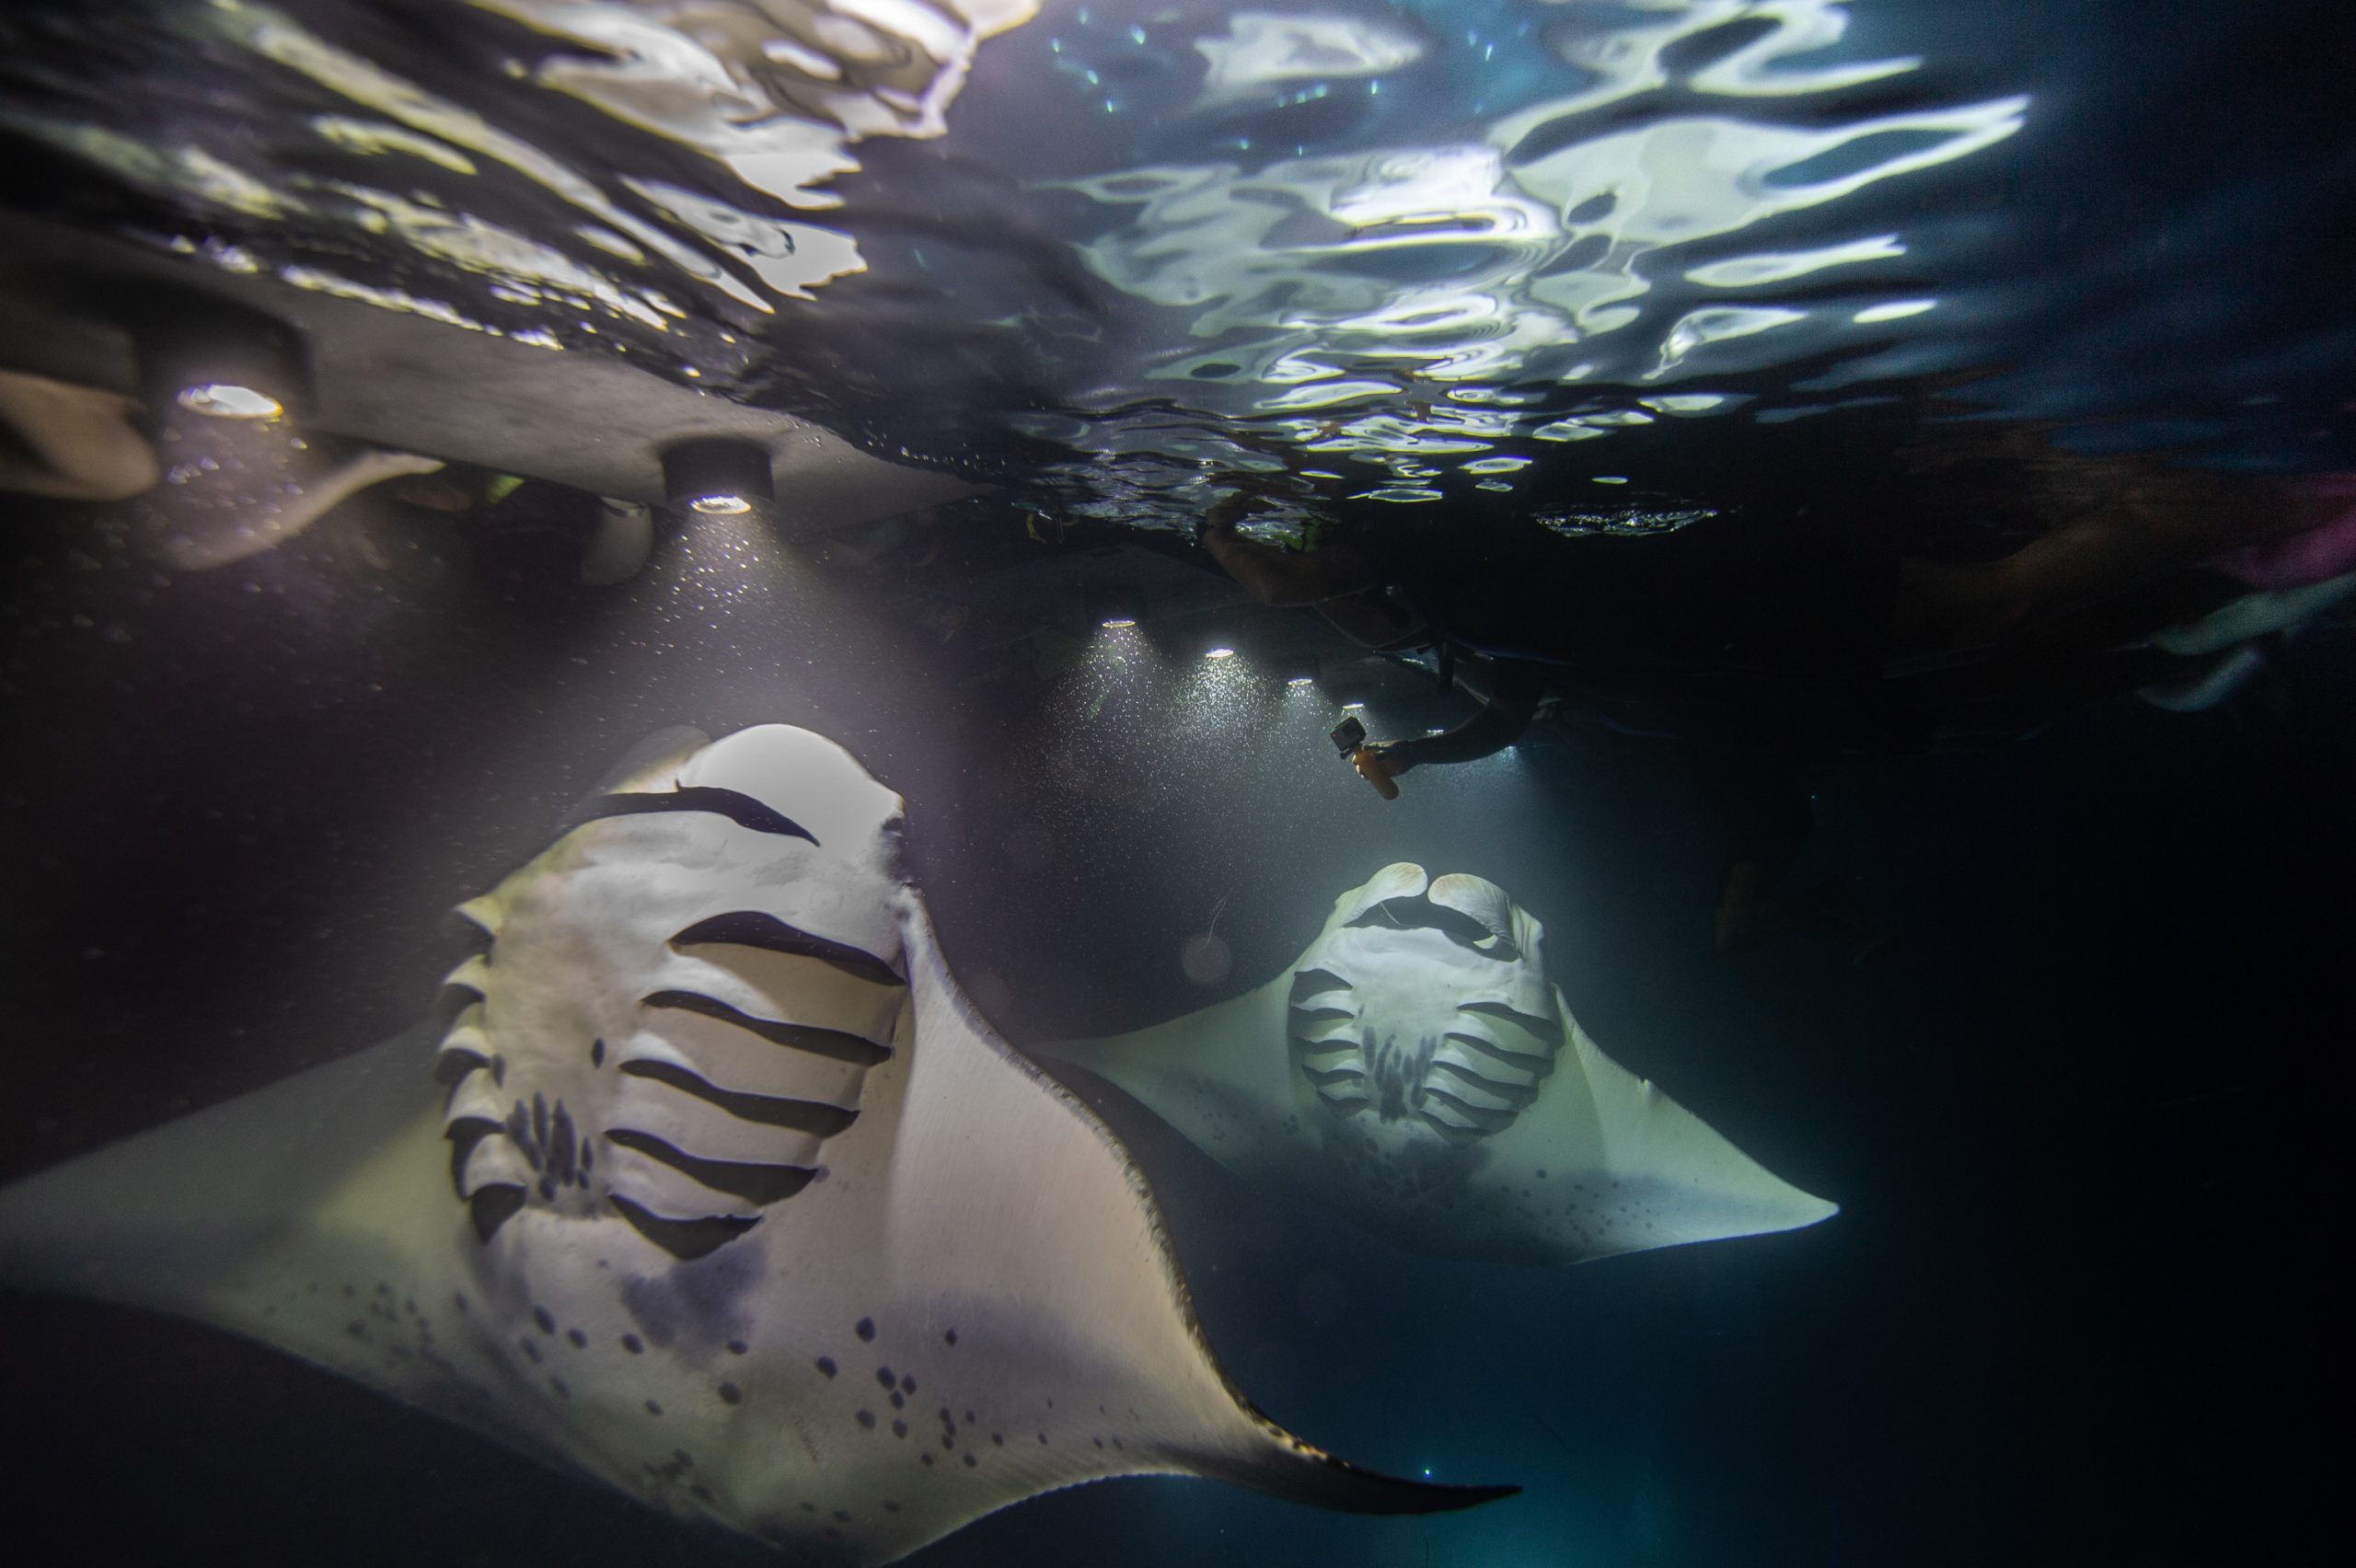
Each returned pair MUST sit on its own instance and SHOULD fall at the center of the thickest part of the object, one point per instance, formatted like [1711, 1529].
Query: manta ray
[1416, 1068]
[705, 1179]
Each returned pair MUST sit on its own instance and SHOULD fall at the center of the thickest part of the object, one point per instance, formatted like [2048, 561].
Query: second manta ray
[1416, 1068]
[706, 1181]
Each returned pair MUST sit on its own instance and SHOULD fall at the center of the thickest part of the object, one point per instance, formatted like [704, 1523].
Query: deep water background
[2083, 1117]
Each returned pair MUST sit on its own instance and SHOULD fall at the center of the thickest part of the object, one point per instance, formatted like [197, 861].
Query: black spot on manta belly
[867, 1419]
[865, 1329]
[827, 1365]
[634, 1345]
[729, 1394]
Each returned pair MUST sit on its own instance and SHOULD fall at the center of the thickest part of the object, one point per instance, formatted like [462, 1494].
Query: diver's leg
[2148, 526]
[70, 443]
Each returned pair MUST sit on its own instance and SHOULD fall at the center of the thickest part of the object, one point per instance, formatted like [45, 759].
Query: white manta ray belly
[709, 1182]
[668, 994]
[1425, 1013]
[1417, 1070]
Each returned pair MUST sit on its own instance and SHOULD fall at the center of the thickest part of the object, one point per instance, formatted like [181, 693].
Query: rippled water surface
[1407, 253]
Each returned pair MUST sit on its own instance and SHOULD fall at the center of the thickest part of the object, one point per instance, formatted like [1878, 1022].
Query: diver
[72, 442]
[1760, 626]
[1766, 641]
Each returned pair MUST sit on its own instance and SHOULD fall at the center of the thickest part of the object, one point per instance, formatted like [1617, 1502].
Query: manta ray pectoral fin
[706, 1181]
[1416, 1068]
[1026, 1218]
[207, 1215]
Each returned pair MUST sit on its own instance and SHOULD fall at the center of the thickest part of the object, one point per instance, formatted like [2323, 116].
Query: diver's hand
[1378, 770]
[1224, 514]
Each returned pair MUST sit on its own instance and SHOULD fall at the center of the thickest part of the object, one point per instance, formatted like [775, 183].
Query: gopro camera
[1348, 735]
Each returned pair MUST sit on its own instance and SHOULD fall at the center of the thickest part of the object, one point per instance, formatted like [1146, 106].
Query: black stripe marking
[754, 1183]
[494, 1206]
[1540, 1062]
[752, 929]
[831, 1043]
[454, 997]
[1333, 1076]
[769, 1111]
[464, 1133]
[1545, 1028]
[686, 1240]
[1310, 982]
[1304, 1015]
[1520, 1094]
[1485, 1119]
[740, 808]
[454, 1062]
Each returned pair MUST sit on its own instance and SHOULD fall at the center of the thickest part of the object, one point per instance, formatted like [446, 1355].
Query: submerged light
[1221, 653]
[717, 476]
[229, 400]
[1117, 623]
[218, 359]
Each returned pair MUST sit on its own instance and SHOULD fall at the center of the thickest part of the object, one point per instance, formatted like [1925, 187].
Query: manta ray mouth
[1417, 912]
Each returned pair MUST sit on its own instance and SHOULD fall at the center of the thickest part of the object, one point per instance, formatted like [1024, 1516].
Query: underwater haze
[1876, 476]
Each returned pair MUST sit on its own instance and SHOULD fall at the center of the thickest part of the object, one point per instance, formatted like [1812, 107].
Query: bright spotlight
[1119, 623]
[1221, 653]
[1302, 681]
[218, 359]
[227, 400]
[717, 477]
[1353, 708]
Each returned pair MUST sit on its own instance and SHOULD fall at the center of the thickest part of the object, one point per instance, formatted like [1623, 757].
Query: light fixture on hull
[718, 477]
[1120, 611]
[221, 359]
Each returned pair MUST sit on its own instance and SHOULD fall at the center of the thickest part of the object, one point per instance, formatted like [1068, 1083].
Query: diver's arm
[1280, 577]
[1498, 724]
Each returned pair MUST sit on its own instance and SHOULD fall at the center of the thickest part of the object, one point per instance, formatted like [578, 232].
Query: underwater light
[1221, 653]
[1117, 623]
[1353, 708]
[218, 359]
[227, 400]
[1302, 681]
[717, 476]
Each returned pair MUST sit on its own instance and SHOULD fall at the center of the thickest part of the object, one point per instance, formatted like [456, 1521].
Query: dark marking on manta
[739, 808]
[686, 1240]
[832, 1043]
[813, 1116]
[757, 928]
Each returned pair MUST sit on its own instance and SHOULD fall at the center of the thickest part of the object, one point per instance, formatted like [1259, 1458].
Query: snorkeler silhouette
[1766, 639]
